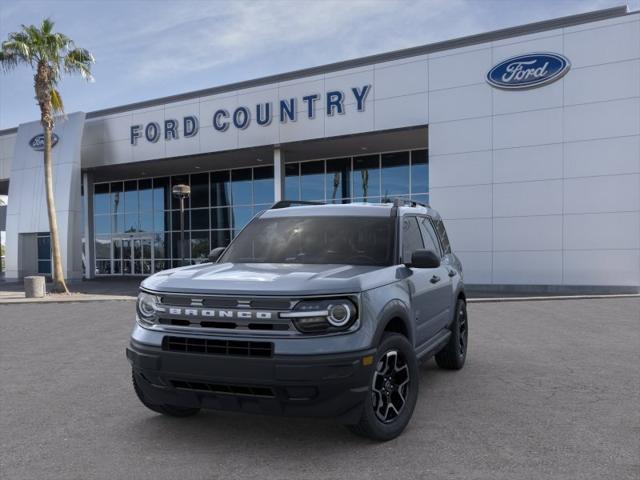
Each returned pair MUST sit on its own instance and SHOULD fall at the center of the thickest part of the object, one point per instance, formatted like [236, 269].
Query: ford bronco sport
[312, 310]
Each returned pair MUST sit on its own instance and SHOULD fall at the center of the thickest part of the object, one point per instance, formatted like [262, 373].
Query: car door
[442, 294]
[420, 282]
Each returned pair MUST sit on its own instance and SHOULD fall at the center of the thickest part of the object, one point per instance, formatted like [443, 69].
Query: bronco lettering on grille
[215, 313]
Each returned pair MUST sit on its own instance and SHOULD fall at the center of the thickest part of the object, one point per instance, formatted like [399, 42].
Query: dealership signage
[37, 142]
[288, 110]
[528, 71]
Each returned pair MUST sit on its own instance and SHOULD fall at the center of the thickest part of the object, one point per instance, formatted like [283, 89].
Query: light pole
[182, 192]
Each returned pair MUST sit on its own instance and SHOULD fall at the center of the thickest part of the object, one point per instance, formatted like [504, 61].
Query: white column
[278, 174]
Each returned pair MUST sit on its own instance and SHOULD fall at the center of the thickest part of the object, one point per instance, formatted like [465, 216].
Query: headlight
[146, 307]
[340, 314]
[323, 316]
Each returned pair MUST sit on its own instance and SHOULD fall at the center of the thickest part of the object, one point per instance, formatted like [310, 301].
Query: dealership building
[526, 140]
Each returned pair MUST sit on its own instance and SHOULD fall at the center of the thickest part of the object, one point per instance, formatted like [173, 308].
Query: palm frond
[8, 60]
[47, 26]
[79, 60]
[20, 46]
[56, 101]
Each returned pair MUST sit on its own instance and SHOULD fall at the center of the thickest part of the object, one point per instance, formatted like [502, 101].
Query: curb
[548, 298]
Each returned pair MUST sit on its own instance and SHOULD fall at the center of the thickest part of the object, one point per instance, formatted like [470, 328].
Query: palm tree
[50, 55]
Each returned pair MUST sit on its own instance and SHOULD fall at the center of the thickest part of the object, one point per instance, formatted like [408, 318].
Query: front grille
[217, 347]
[282, 325]
[256, 391]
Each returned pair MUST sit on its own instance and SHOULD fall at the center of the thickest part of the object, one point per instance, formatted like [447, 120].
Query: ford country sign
[285, 110]
[528, 71]
[37, 142]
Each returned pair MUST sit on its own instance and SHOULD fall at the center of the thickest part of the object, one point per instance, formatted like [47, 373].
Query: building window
[312, 181]
[292, 181]
[395, 174]
[337, 184]
[367, 178]
[44, 252]
[241, 191]
[263, 185]
[137, 222]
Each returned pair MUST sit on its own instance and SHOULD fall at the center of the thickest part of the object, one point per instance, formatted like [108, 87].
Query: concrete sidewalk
[81, 291]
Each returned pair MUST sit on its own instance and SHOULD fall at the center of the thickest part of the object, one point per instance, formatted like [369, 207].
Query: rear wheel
[170, 410]
[393, 391]
[454, 354]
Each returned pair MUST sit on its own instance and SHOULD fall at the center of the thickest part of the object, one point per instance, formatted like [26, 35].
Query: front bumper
[328, 385]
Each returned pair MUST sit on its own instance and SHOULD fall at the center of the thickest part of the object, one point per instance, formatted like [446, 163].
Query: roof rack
[404, 202]
[293, 203]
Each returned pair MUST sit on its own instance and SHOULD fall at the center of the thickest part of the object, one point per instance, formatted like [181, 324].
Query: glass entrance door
[133, 256]
[142, 256]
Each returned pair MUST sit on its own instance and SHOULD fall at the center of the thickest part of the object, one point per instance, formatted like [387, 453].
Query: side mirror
[214, 254]
[424, 259]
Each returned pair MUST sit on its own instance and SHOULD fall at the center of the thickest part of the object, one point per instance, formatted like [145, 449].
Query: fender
[394, 309]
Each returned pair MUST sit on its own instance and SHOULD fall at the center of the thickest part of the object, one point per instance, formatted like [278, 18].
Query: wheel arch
[394, 318]
[461, 296]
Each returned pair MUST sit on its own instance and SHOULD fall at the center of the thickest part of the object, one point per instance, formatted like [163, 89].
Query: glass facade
[137, 222]
[365, 178]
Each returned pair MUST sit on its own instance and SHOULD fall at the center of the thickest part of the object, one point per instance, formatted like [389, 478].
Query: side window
[411, 238]
[430, 239]
[442, 233]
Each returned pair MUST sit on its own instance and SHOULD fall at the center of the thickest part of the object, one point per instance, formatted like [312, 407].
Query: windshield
[342, 240]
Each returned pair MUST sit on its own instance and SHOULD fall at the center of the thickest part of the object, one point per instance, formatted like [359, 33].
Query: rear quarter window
[442, 235]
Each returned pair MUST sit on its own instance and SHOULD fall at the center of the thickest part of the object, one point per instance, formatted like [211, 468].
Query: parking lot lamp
[182, 192]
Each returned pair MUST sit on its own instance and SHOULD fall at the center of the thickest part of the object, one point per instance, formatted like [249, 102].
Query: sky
[152, 48]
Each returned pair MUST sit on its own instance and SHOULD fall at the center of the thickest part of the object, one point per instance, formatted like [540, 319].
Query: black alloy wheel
[393, 391]
[390, 388]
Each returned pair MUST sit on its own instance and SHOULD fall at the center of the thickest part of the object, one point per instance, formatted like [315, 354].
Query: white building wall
[542, 186]
[7, 146]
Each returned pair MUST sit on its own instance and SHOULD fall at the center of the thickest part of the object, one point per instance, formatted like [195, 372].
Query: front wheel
[393, 391]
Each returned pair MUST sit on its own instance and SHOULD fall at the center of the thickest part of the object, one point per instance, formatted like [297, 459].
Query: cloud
[189, 41]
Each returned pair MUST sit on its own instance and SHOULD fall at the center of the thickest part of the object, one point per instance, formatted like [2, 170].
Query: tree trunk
[43, 95]
[59, 284]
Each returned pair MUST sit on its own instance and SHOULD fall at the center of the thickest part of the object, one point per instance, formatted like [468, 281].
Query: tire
[169, 410]
[454, 354]
[401, 380]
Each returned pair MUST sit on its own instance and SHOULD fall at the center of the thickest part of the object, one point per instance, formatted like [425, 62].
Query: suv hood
[270, 279]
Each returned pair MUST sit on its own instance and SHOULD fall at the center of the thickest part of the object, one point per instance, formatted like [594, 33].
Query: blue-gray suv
[312, 310]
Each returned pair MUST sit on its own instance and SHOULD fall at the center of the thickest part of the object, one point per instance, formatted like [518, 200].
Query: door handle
[452, 273]
[435, 279]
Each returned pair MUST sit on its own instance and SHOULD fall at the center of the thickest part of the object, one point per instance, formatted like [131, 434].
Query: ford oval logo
[528, 71]
[37, 142]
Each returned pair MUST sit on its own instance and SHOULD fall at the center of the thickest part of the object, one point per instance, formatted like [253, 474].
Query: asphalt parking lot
[551, 390]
